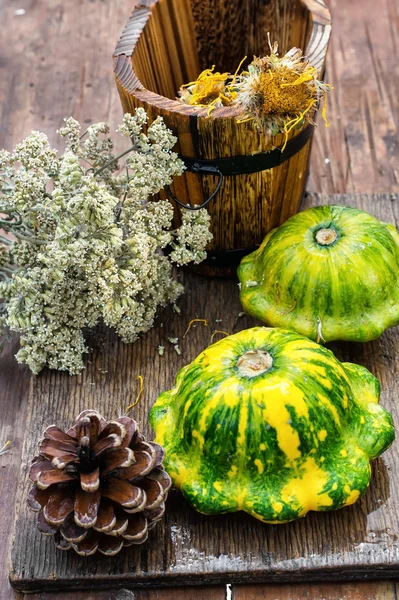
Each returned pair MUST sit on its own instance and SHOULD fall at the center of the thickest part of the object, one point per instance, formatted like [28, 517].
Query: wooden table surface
[55, 60]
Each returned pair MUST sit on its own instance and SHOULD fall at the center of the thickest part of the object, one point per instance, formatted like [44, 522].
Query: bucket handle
[200, 170]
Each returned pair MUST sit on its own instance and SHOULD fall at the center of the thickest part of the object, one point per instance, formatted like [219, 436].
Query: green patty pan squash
[268, 422]
[330, 273]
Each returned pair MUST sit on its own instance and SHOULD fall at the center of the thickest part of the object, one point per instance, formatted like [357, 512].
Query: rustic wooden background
[357, 542]
[55, 60]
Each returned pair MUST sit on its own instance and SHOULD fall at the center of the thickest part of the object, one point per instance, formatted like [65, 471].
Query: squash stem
[326, 237]
[254, 363]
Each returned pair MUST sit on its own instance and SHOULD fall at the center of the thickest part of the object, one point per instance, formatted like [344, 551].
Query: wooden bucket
[167, 43]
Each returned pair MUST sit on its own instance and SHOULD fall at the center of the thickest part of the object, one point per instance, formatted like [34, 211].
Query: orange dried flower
[277, 94]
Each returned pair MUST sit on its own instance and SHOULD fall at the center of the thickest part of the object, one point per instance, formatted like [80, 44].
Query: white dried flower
[4, 158]
[191, 238]
[88, 242]
[71, 131]
[132, 124]
[35, 153]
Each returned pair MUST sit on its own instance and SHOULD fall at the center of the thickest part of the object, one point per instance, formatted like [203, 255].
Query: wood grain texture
[165, 44]
[355, 542]
[383, 590]
[362, 144]
[193, 593]
[318, 591]
[13, 393]
[56, 61]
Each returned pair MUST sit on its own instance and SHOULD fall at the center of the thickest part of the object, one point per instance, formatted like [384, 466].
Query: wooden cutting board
[360, 541]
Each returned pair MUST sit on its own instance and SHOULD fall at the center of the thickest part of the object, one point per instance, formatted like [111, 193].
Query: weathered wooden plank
[194, 593]
[14, 388]
[352, 543]
[56, 61]
[361, 145]
[318, 591]
[369, 590]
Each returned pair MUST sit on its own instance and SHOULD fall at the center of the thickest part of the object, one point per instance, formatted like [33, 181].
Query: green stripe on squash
[275, 438]
[330, 273]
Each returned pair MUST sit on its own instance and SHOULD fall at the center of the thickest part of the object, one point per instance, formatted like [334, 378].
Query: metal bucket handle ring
[200, 170]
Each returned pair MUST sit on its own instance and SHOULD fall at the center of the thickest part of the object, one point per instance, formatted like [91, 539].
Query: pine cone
[99, 486]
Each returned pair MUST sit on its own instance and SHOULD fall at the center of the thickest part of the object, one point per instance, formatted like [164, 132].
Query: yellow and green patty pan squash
[330, 273]
[268, 422]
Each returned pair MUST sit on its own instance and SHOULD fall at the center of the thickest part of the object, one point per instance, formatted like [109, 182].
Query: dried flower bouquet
[86, 241]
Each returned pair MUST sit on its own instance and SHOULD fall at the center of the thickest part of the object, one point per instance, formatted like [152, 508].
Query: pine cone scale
[115, 459]
[110, 546]
[121, 523]
[55, 433]
[37, 499]
[53, 449]
[148, 447]
[60, 462]
[122, 492]
[115, 428]
[58, 507]
[137, 528]
[143, 465]
[155, 515]
[39, 465]
[88, 546]
[95, 427]
[154, 492]
[47, 478]
[98, 486]
[90, 482]
[44, 527]
[160, 453]
[61, 544]
[71, 532]
[137, 509]
[97, 423]
[106, 518]
[130, 428]
[162, 477]
[86, 507]
[111, 441]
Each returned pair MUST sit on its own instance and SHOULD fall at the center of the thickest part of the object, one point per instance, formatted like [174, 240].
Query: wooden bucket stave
[167, 43]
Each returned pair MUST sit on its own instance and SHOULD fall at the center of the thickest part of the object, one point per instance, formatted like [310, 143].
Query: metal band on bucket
[241, 165]
[233, 166]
